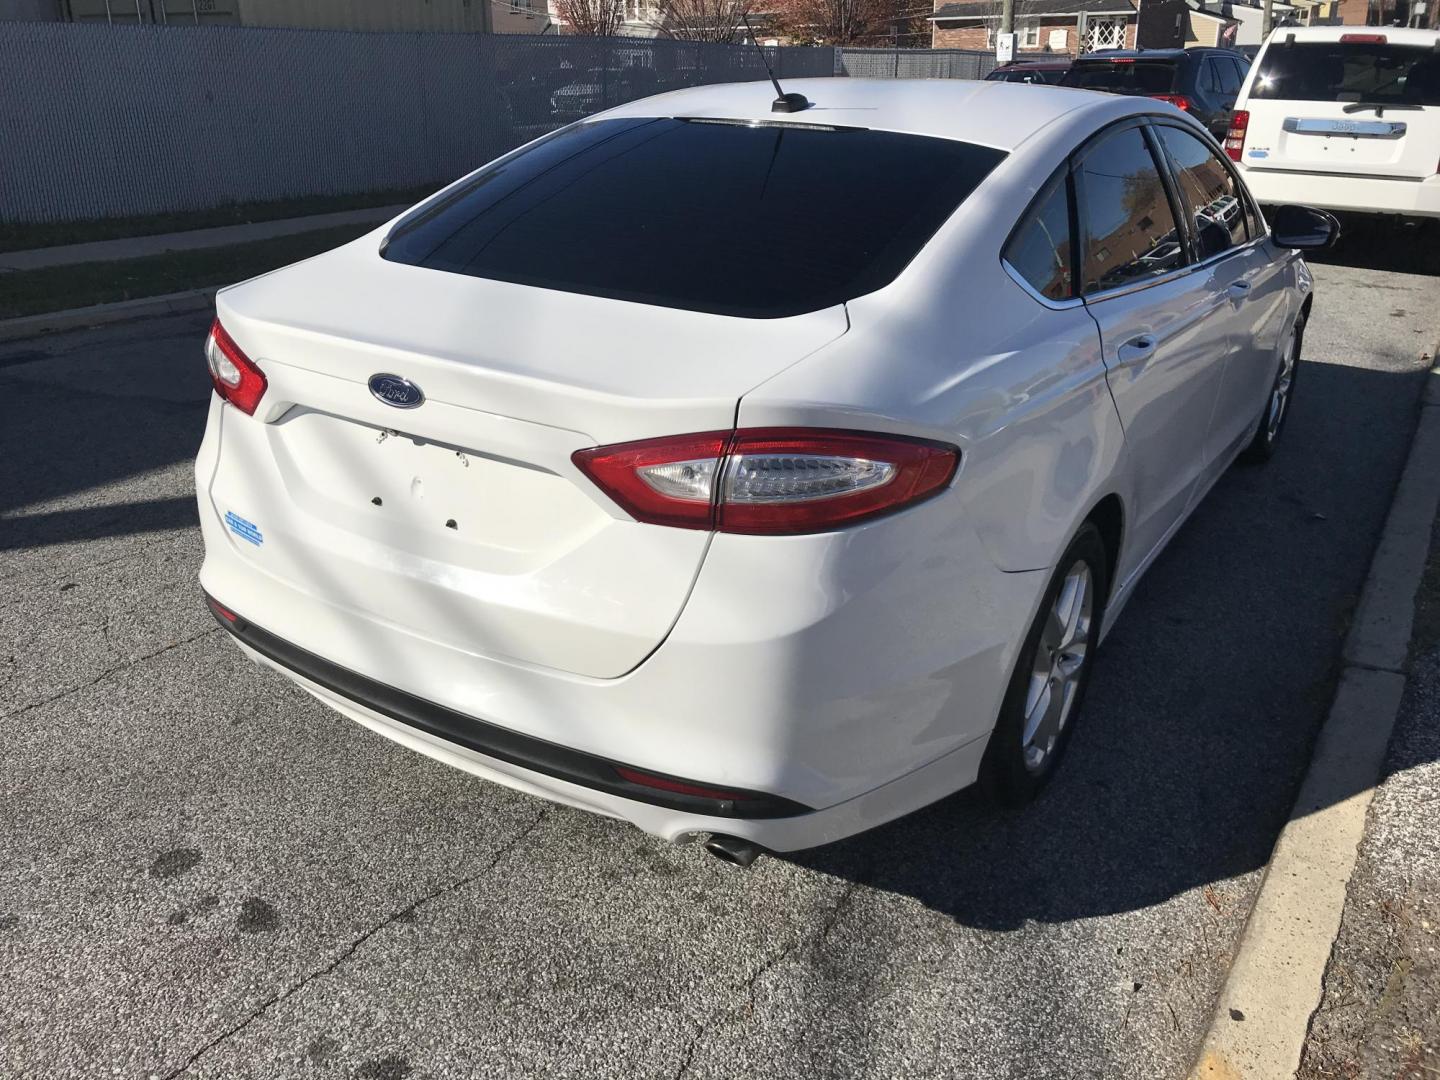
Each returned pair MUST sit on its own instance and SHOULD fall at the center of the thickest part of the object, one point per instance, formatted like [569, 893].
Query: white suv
[1344, 118]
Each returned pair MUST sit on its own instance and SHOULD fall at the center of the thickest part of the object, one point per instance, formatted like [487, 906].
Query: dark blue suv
[1203, 82]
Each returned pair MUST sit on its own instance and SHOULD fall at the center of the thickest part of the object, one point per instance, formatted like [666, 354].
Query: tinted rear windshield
[1349, 71]
[1123, 76]
[735, 219]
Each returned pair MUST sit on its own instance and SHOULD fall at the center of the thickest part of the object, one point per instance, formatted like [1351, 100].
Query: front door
[1235, 259]
[1162, 326]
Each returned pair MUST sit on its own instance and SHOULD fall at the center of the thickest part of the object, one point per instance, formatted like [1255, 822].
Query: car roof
[1156, 54]
[1034, 65]
[998, 114]
[1396, 35]
[1133, 54]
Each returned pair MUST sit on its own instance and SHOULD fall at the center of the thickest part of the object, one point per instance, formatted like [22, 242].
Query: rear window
[735, 219]
[1024, 75]
[1123, 76]
[1349, 71]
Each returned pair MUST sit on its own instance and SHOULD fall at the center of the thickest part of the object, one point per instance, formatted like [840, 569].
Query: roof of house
[1216, 8]
[985, 9]
[998, 114]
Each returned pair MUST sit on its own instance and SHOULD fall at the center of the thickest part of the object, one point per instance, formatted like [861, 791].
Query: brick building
[1041, 26]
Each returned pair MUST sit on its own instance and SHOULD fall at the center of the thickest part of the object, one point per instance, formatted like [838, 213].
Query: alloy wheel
[1280, 392]
[1060, 656]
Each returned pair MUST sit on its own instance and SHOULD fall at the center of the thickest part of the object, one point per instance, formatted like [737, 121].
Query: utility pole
[1267, 22]
[1007, 16]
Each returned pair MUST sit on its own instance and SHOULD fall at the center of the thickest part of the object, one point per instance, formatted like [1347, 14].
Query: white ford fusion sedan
[754, 475]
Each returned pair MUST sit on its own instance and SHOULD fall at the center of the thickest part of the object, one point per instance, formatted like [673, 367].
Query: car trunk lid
[463, 519]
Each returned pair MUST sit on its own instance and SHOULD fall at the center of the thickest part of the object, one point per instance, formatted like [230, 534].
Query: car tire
[1276, 412]
[1033, 729]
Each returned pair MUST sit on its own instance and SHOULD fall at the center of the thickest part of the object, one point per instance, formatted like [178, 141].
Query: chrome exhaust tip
[733, 850]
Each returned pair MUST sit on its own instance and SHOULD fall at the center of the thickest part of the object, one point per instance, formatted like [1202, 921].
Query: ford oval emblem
[393, 390]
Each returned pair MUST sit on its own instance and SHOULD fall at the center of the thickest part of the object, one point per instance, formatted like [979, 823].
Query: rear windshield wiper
[1381, 106]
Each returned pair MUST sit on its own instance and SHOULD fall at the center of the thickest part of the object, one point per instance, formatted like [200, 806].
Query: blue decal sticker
[243, 529]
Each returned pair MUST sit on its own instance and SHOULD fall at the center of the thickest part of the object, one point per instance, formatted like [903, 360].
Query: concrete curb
[101, 314]
[1274, 985]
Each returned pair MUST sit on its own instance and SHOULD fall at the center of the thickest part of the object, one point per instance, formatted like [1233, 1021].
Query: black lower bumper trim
[491, 740]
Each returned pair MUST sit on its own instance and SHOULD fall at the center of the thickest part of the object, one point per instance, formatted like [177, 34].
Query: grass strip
[20, 236]
[58, 288]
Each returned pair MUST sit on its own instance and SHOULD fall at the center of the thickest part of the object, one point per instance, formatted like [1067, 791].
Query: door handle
[1240, 289]
[1137, 350]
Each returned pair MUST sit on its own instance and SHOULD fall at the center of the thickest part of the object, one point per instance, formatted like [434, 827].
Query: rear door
[1211, 107]
[1367, 104]
[1226, 75]
[1163, 328]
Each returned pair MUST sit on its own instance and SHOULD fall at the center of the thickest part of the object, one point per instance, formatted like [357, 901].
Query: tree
[846, 22]
[591, 18]
[704, 20]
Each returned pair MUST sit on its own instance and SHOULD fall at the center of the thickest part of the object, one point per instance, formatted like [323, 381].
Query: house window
[1104, 34]
[1027, 35]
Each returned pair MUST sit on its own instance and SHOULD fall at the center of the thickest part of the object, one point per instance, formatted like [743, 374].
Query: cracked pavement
[209, 874]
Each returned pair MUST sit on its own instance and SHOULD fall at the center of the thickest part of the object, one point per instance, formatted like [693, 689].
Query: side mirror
[1304, 228]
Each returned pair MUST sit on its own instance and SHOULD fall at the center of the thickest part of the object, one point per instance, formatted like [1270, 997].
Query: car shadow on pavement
[1205, 699]
[1385, 245]
[94, 522]
[73, 423]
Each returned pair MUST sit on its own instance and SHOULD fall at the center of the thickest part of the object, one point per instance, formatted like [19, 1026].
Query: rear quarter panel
[955, 350]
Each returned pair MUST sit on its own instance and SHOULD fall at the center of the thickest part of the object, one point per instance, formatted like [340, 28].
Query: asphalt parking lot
[208, 874]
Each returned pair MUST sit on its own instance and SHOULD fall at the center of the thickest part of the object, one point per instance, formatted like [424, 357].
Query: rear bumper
[334, 683]
[886, 803]
[1350, 194]
[856, 673]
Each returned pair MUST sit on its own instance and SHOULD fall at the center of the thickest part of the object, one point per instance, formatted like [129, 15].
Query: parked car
[1030, 71]
[1203, 82]
[592, 90]
[639, 471]
[529, 93]
[1346, 118]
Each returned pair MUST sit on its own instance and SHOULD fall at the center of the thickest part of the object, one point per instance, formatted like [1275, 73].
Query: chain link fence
[914, 63]
[115, 121]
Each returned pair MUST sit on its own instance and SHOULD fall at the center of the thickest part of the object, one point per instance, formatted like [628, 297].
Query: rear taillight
[1180, 101]
[770, 481]
[234, 374]
[1235, 137]
[1363, 39]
